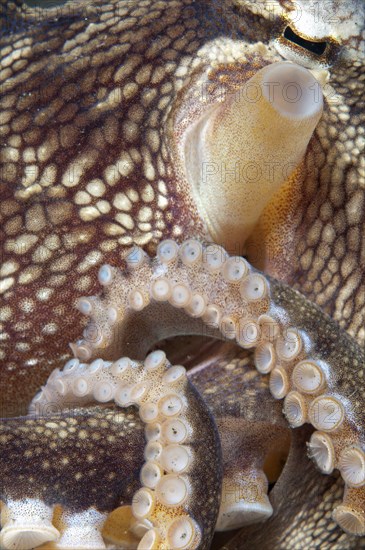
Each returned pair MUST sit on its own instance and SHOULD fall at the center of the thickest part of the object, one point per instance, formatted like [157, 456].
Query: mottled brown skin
[90, 470]
[311, 236]
[82, 128]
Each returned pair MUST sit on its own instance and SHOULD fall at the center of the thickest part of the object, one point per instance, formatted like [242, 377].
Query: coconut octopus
[182, 182]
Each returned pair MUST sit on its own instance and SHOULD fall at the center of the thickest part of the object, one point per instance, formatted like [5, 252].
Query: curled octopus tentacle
[313, 366]
[304, 499]
[301, 497]
[177, 505]
[233, 388]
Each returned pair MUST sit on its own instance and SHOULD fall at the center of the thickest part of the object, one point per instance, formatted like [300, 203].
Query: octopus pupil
[317, 48]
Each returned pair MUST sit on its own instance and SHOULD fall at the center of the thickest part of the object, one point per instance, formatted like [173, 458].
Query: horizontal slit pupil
[317, 48]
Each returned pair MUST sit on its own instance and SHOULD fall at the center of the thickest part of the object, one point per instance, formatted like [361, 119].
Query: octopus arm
[313, 366]
[174, 494]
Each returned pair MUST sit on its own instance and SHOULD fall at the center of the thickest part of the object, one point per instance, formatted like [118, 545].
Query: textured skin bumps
[81, 182]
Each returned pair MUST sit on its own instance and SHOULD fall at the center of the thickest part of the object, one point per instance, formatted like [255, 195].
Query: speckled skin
[53, 242]
[89, 472]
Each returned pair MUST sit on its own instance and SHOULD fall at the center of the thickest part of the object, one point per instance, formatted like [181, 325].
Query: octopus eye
[317, 48]
[311, 52]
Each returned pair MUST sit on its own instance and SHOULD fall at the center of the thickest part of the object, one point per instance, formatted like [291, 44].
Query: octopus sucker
[25, 526]
[309, 375]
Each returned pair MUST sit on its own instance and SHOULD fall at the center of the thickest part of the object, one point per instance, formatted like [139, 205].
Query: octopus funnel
[240, 151]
